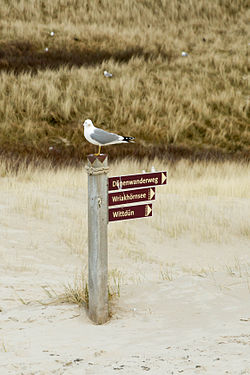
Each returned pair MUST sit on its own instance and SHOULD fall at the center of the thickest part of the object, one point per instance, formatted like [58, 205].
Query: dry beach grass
[203, 182]
[197, 106]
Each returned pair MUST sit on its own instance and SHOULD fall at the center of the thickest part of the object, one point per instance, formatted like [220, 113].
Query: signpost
[137, 180]
[131, 196]
[130, 212]
[104, 192]
[97, 169]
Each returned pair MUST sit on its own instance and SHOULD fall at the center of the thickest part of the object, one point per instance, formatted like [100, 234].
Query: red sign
[130, 212]
[137, 180]
[131, 196]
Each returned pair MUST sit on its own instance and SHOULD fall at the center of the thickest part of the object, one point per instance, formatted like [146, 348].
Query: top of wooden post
[97, 164]
[99, 158]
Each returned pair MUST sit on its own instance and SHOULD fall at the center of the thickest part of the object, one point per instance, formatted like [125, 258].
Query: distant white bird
[100, 137]
[46, 49]
[107, 74]
[184, 54]
[52, 33]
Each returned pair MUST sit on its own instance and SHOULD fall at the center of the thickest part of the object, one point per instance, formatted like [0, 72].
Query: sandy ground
[184, 306]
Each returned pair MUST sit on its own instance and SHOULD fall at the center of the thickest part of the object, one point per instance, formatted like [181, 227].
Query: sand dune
[184, 279]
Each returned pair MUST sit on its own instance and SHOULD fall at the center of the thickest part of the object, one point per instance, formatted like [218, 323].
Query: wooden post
[97, 237]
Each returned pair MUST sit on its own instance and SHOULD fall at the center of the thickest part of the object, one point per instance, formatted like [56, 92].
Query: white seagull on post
[101, 138]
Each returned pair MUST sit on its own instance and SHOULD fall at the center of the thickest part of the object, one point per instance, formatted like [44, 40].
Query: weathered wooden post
[97, 169]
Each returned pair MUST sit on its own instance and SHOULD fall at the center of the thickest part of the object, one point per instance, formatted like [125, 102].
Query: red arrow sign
[137, 180]
[131, 196]
[130, 212]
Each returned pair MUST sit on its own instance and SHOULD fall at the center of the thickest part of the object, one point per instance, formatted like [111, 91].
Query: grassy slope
[172, 105]
[207, 201]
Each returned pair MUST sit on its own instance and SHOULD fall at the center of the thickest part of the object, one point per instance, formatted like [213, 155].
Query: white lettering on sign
[123, 213]
[126, 197]
[141, 181]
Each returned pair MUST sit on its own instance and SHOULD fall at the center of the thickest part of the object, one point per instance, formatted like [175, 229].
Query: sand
[184, 305]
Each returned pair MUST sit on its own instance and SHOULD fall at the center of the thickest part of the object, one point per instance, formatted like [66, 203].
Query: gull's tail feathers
[128, 139]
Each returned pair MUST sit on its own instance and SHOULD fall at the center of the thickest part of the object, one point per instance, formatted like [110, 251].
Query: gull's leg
[99, 151]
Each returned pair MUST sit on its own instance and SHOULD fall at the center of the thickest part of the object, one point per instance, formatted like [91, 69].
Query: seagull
[100, 137]
[107, 74]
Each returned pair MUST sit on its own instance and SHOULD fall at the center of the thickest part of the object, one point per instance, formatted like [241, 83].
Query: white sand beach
[184, 277]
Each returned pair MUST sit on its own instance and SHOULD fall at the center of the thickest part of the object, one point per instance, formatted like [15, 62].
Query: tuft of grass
[245, 230]
[167, 274]
[4, 348]
[239, 269]
[115, 279]
[78, 292]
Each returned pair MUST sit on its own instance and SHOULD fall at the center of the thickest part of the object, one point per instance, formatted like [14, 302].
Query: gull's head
[87, 123]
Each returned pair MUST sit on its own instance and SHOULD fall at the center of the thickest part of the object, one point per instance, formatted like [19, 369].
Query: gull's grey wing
[104, 137]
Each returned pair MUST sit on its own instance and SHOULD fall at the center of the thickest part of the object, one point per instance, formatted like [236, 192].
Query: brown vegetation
[195, 107]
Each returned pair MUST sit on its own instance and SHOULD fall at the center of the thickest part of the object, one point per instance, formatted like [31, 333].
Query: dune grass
[195, 106]
[207, 201]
